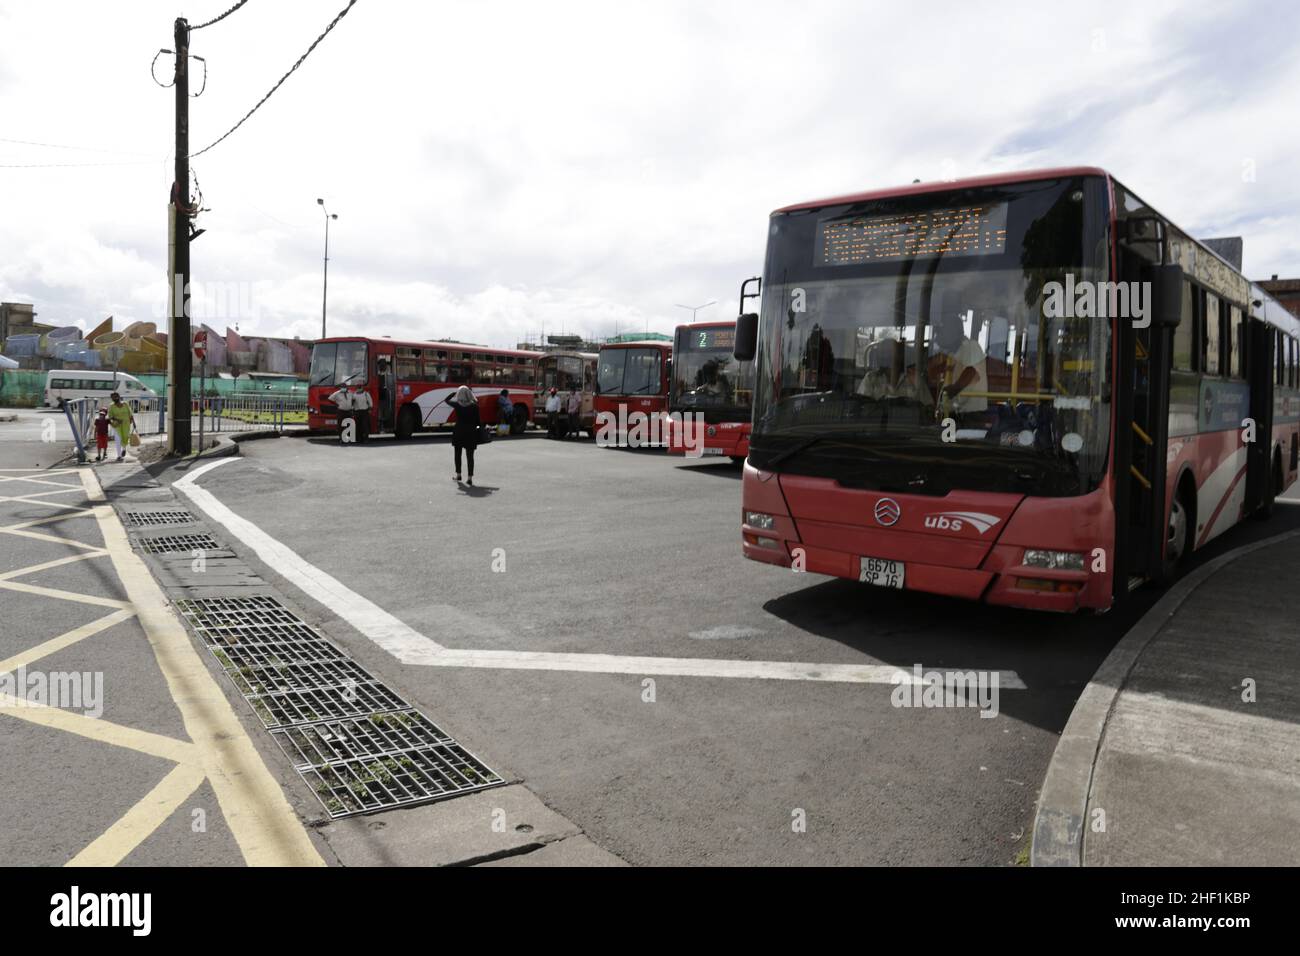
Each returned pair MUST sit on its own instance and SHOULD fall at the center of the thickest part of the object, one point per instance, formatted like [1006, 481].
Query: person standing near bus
[122, 421]
[505, 410]
[343, 399]
[464, 433]
[574, 405]
[361, 405]
[552, 414]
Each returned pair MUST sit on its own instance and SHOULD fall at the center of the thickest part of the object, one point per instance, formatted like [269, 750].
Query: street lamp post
[325, 288]
[692, 309]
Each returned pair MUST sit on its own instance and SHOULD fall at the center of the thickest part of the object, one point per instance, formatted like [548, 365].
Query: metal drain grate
[144, 519]
[174, 543]
[254, 620]
[359, 745]
[378, 735]
[367, 784]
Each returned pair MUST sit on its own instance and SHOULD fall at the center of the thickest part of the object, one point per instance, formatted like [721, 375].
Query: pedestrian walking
[464, 433]
[122, 421]
[101, 435]
[552, 414]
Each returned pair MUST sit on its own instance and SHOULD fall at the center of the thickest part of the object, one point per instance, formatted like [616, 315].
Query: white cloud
[501, 167]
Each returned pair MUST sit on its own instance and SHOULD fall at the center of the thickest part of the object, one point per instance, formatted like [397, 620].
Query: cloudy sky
[502, 168]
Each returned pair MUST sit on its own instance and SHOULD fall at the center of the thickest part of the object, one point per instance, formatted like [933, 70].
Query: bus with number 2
[712, 387]
[1029, 389]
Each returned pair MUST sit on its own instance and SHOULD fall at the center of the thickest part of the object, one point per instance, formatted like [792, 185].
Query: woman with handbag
[121, 421]
[464, 432]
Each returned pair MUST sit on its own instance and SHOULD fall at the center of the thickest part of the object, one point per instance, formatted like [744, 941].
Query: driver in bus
[958, 365]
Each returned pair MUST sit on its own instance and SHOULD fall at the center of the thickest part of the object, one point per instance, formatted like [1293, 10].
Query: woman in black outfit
[464, 433]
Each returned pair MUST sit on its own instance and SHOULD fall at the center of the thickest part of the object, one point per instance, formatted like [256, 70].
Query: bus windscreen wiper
[793, 450]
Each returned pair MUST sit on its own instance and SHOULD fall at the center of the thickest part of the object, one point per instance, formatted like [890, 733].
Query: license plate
[710, 451]
[882, 573]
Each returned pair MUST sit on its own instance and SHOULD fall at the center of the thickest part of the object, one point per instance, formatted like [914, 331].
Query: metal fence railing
[241, 413]
[213, 415]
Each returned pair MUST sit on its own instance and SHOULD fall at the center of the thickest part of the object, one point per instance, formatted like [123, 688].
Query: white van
[66, 384]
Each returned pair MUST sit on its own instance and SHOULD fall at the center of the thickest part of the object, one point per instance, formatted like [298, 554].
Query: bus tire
[1268, 505]
[738, 460]
[406, 424]
[519, 420]
[1181, 536]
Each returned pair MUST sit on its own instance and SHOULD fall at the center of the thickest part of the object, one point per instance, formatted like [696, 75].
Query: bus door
[1141, 440]
[1258, 341]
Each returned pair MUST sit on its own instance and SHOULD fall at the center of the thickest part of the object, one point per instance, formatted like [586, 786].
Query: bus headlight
[756, 519]
[1054, 560]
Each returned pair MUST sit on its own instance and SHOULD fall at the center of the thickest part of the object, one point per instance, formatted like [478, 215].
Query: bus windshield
[905, 344]
[629, 372]
[705, 373]
[338, 363]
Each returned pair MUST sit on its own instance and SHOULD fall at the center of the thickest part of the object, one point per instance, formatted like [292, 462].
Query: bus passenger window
[1213, 336]
[1185, 334]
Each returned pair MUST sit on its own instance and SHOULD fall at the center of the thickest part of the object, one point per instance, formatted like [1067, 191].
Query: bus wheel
[406, 422]
[1267, 506]
[1178, 540]
[519, 421]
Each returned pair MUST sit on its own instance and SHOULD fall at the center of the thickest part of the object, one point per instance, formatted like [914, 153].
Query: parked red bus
[632, 378]
[712, 386]
[959, 391]
[410, 382]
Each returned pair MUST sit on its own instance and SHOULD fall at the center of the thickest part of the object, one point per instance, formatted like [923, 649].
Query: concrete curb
[1063, 802]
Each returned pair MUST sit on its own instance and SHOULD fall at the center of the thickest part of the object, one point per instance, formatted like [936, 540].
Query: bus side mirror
[746, 336]
[1167, 295]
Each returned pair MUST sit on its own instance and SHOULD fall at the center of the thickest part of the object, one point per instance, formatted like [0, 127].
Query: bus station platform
[1184, 749]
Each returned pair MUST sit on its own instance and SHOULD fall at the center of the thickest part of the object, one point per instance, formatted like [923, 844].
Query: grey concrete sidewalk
[1184, 750]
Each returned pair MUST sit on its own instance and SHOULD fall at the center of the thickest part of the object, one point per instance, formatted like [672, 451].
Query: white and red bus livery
[1028, 389]
[410, 382]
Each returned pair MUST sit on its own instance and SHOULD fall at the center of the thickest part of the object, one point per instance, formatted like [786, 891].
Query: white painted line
[403, 642]
[411, 647]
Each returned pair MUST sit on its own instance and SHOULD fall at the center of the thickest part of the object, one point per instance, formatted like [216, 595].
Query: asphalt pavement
[634, 555]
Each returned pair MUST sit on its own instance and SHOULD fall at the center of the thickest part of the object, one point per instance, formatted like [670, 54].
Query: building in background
[1286, 291]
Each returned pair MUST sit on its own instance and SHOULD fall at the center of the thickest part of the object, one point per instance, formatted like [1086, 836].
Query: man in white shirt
[343, 399]
[361, 405]
[552, 414]
[959, 366]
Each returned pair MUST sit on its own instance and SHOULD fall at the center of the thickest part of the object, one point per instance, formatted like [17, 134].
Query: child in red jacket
[101, 435]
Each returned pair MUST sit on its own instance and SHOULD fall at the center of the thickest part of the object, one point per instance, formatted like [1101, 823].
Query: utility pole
[180, 362]
[325, 288]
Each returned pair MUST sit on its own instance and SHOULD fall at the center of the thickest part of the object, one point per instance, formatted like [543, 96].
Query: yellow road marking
[100, 730]
[35, 499]
[56, 644]
[10, 575]
[62, 595]
[117, 842]
[259, 816]
[52, 539]
[42, 481]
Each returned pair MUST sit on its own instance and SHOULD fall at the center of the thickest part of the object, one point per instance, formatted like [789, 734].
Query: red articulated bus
[410, 382]
[632, 384]
[1029, 390]
[712, 386]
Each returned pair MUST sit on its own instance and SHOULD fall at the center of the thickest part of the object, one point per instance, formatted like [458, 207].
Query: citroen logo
[887, 512]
